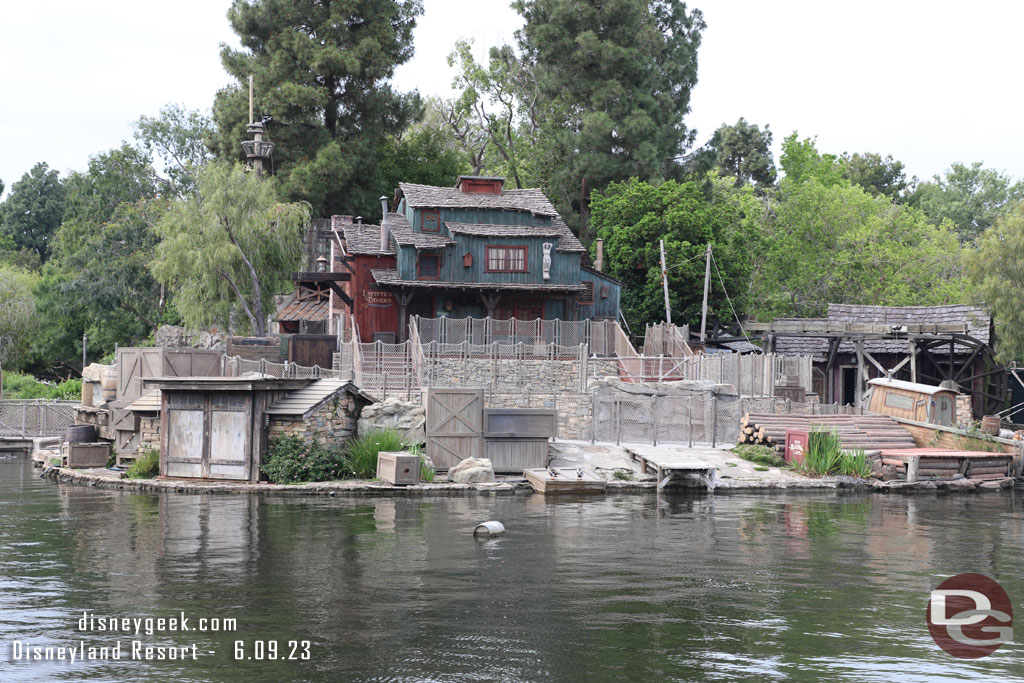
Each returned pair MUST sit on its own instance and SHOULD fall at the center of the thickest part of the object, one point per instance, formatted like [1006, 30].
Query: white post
[664, 283]
[704, 306]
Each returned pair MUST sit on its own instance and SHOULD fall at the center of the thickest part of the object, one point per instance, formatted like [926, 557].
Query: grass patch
[854, 464]
[623, 475]
[732, 464]
[145, 466]
[761, 468]
[759, 455]
[822, 454]
[362, 451]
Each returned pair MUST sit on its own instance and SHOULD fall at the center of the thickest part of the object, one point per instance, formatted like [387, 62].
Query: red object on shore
[796, 444]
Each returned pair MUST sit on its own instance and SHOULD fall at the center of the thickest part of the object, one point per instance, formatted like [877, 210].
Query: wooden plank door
[227, 454]
[454, 425]
[182, 452]
[312, 349]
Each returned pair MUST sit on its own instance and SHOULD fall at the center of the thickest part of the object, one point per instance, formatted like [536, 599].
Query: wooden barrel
[109, 383]
[990, 425]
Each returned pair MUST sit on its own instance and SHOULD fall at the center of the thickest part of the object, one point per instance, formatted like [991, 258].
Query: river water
[800, 586]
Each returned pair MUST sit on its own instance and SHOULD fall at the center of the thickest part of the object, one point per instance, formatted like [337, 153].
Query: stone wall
[528, 376]
[149, 433]
[331, 424]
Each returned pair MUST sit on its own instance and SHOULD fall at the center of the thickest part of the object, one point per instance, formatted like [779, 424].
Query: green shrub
[426, 472]
[854, 464]
[822, 454]
[759, 455]
[145, 466]
[623, 475]
[362, 451]
[21, 385]
[290, 459]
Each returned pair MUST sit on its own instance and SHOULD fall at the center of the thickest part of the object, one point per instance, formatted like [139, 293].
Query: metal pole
[664, 282]
[689, 412]
[707, 283]
[714, 421]
[85, 345]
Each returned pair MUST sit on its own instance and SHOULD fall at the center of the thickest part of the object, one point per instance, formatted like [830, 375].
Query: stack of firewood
[864, 432]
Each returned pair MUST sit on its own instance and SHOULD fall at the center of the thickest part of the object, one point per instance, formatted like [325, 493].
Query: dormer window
[430, 220]
[587, 295]
[472, 184]
[502, 259]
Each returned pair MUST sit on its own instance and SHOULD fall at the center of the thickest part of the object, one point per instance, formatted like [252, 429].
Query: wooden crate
[398, 468]
[86, 454]
[520, 422]
[513, 454]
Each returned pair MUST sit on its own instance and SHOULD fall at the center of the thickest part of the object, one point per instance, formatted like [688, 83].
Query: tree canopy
[322, 71]
[226, 250]
[972, 197]
[996, 271]
[33, 211]
[741, 150]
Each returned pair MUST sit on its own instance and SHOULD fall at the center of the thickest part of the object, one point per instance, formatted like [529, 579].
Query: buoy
[489, 529]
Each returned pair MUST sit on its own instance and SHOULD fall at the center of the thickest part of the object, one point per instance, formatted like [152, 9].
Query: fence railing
[666, 339]
[697, 419]
[485, 331]
[236, 366]
[27, 418]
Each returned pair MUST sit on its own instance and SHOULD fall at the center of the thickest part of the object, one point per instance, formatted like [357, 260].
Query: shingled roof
[490, 230]
[362, 239]
[976, 319]
[429, 196]
[407, 237]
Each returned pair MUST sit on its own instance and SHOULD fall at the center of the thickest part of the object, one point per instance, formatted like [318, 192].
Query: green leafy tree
[18, 316]
[176, 137]
[229, 248]
[877, 175]
[741, 150]
[801, 161]
[34, 209]
[321, 70]
[422, 155]
[633, 216]
[972, 197]
[120, 175]
[838, 244]
[608, 86]
[996, 271]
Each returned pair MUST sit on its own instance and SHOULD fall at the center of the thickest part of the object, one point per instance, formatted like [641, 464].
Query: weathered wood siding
[565, 267]
[375, 307]
[603, 307]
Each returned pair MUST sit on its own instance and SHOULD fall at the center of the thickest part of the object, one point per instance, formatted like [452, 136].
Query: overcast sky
[930, 82]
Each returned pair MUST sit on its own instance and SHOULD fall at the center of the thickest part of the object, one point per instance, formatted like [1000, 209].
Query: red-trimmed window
[430, 220]
[505, 259]
[587, 295]
[428, 266]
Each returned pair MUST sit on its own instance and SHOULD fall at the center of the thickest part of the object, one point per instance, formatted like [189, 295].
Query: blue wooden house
[473, 250]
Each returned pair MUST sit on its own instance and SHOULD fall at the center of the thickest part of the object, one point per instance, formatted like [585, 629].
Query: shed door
[312, 349]
[229, 443]
[454, 425]
[184, 443]
[943, 411]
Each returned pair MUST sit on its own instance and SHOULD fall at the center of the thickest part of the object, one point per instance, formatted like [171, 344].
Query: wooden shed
[912, 401]
[135, 364]
[215, 427]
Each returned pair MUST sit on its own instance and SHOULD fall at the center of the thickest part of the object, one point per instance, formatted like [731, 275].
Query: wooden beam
[321, 277]
[336, 288]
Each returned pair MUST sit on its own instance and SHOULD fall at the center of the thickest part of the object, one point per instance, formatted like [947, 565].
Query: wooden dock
[675, 466]
[922, 464]
[564, 480]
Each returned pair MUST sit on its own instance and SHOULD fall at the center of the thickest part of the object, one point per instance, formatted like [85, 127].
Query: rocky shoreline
[107, 479]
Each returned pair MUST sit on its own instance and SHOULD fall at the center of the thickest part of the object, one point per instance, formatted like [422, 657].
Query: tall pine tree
[612, 86]
[321, 70]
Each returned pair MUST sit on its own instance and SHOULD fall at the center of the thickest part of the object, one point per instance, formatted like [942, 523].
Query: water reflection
[795, 586]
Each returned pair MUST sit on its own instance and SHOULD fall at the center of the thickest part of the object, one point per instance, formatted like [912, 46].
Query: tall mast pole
[664, 283]
[250, 99]
[704, 306]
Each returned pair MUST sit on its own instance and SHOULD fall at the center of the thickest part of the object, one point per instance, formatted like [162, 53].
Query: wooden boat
[564, 480]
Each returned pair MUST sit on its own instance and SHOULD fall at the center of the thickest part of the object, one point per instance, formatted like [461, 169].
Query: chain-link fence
[27, 418]
[536, 332]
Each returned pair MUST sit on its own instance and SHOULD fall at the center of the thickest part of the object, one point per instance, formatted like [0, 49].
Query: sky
[929, 82]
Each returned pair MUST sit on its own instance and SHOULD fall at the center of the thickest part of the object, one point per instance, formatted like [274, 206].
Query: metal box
[398, 468]
[86, 454]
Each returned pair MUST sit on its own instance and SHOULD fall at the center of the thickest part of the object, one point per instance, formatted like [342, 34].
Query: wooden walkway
[676, 466]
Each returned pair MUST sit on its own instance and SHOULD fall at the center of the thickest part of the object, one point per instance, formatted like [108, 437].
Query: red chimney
[474, 184]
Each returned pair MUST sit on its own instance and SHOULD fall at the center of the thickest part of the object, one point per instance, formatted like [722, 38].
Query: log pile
[864, 432]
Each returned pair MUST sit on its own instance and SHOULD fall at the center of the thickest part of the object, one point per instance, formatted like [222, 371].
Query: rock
[94, 372]
[995, 484]
[961, 484]
[170, 336]
[426, 462]
[408, 418]
[472, 471]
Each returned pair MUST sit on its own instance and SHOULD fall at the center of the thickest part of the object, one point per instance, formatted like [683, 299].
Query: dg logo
[970, 616]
